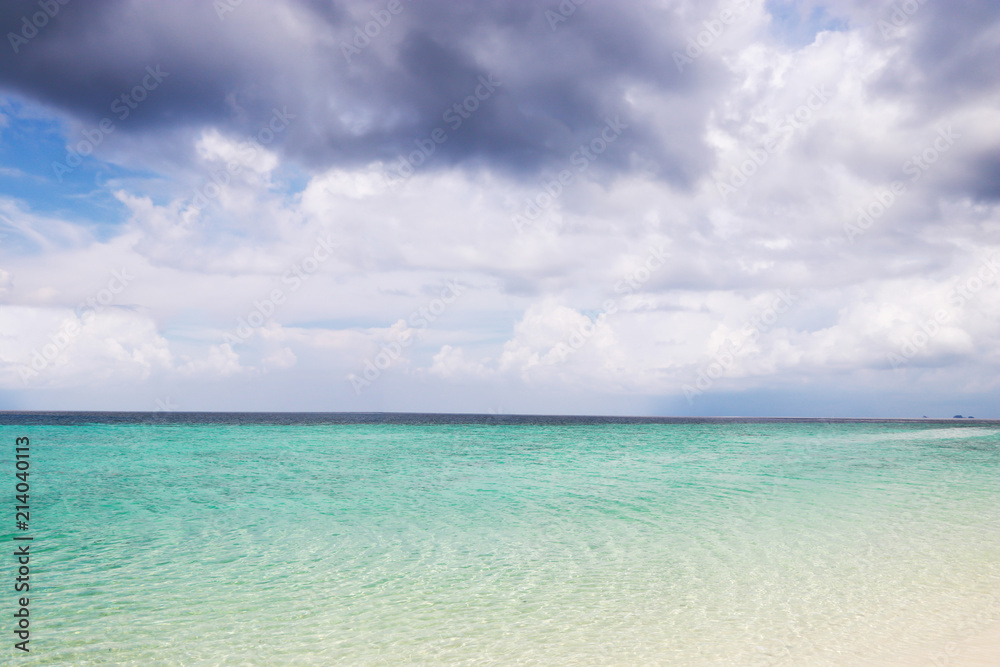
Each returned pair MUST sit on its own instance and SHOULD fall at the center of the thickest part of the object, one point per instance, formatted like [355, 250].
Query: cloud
[271, 182]
[54, 347]
[280, 360]
[221, 361]
[230, 74]
[450, 363]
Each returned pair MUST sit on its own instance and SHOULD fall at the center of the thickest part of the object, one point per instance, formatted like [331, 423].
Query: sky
[578, 207]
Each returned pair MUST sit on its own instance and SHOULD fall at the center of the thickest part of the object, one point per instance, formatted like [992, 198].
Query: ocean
[388, 539]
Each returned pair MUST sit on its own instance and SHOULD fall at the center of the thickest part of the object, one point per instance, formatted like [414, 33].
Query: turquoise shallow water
[742, 543]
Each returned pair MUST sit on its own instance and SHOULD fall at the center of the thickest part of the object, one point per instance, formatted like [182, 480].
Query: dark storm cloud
[984, 181]
[91, 53]
[947, 50]
[947, 60]
[559, 81]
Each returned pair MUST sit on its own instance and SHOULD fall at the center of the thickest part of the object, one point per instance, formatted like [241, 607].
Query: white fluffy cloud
[814, 170]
